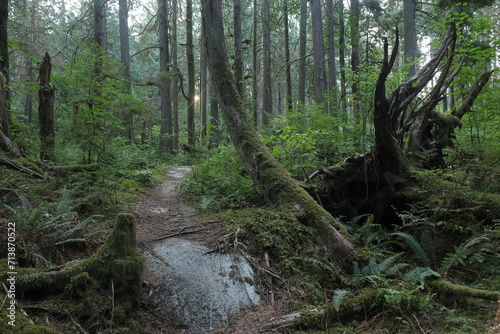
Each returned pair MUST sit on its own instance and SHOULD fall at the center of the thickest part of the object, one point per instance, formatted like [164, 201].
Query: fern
[463, 255]
[51, 225]
[416, 247]
[428, 245]
[419, 275]
[338, 296]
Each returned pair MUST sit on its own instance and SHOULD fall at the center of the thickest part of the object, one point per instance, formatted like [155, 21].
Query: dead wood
[23, 169]
[348, 308]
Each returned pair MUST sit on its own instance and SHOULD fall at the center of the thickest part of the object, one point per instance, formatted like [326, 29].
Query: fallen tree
[278, 188]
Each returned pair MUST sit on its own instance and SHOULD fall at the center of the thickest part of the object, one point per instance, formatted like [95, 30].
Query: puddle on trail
[205, 289]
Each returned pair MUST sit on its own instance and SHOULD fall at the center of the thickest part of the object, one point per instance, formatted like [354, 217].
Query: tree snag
[46, 96]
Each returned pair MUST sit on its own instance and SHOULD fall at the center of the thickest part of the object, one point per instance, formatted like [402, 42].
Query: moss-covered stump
[115, 267]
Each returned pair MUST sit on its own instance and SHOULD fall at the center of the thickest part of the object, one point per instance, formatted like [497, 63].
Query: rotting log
[116, 265]
[460, 291]
[349, 307]
[68, 169]
[15, 165]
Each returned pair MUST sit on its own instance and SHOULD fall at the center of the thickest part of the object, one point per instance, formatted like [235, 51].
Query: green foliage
[421, 253]
[48, 226]
[464, 254]
[305, 140]
[418, 275]
[91, 103]
[338, 296]
[221, 182]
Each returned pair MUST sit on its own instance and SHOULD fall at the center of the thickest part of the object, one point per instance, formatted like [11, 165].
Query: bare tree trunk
[46, 97]
[288, 74]
[166, 107]
[4, 66]
[410, 36]
[332, 70]
[214, 119]
[6, 142]
[277, 187]
[190, 64]
[267, 97]
[203, 85]
[255, 89]
[343, 84]
[100, 35]
[355, 37]
[301, 94]
[124, 57]
[238, 45]
[319, 53]
[175, 80]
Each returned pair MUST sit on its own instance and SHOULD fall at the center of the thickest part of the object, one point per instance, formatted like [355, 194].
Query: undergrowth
[221, 182]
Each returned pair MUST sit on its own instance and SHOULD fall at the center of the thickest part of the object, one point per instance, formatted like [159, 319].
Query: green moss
[275, 232]
[461, 291]
[117, 262]
[444, 194]
[21, 322]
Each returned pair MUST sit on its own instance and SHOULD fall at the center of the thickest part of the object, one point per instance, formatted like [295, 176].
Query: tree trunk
[4, 66]
[332, 71]
[255, 89]
[190, 65]
[288, 74]
[343, 82]
[175, 80]
[214, 119]
[355, 38]
[124, 57]
[319, 53]
[410, 36]
[238, 45]
[165, 107]
[6, 142]
[267, 97]
[100, 35]
[203, 85]
[301, 93]
[277, 187]
[46, 97]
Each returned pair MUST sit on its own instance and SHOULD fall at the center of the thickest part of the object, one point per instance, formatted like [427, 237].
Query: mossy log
[460, 291]
[65, 170]
[21, 164]
[314, 317]
[442, 193]
[116, 266]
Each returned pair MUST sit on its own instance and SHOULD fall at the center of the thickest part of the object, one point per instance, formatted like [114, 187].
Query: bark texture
[278, 188]
[46, 97]
[165, 102]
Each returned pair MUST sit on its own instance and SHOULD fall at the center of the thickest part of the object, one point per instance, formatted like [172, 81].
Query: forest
[349, 149]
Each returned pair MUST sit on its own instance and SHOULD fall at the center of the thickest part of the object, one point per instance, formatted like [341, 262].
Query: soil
[165, 214]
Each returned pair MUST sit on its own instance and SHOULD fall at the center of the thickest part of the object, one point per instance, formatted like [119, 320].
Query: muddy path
[193, 283]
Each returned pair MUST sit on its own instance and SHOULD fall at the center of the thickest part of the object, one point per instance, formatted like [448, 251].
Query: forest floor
[165, 214]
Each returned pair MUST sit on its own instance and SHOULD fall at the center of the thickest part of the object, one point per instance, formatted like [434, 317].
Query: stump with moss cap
[116, 267]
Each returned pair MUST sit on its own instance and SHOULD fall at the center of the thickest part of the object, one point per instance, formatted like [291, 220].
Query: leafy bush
[221, 182]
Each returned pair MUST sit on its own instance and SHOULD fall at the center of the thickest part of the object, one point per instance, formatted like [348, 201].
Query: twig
[176, 235]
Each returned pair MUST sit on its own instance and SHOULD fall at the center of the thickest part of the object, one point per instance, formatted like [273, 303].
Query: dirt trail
[189, 287]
